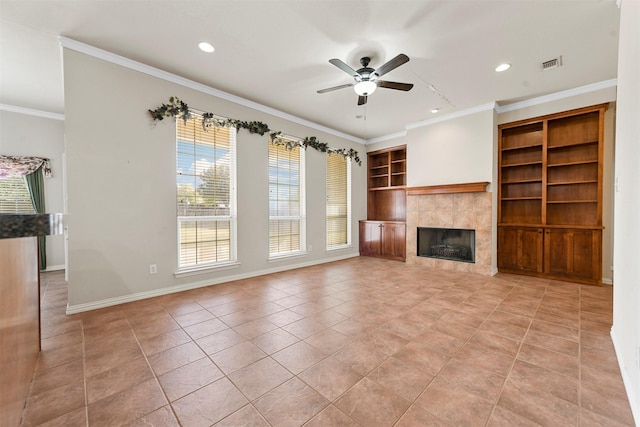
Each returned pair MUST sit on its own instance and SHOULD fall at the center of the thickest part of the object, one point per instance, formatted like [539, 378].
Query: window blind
[14, 196]
[286, 201]
[206, 194]
[338, 201]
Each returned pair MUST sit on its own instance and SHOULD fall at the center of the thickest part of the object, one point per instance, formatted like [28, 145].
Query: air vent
[552, 63]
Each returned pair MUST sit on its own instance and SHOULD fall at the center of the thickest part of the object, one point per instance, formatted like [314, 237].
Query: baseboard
[634, 401]
[79, 308]
[54, 268]
[607, 281]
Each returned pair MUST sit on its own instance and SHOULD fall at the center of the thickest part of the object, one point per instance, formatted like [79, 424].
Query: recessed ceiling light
[503, 67]
[435, 110]
[206, 47]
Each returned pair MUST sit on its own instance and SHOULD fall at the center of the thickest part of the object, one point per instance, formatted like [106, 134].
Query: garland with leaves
[180, 110]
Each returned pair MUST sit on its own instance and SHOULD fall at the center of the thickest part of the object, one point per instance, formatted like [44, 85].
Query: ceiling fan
[366, 78]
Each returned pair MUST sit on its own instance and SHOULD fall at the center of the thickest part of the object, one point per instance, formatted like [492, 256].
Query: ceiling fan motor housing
[366, 78]
[365, 73]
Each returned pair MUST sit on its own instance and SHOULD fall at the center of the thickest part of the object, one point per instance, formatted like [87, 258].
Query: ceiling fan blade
[362, 100]
[344, 67]
[329, 89]
[394, 85]
[392, 64]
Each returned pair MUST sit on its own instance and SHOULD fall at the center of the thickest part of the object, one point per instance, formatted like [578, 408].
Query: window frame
[302, 217]
[231, 217]
[348, 171]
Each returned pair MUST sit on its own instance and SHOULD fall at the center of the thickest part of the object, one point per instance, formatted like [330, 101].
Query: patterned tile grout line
[515, 357]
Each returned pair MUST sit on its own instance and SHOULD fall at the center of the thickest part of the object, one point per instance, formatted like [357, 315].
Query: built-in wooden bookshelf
[387, 169]
[550, 195]
[383, 234]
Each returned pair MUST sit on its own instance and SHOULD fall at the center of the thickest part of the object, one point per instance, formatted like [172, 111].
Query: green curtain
[35, 184]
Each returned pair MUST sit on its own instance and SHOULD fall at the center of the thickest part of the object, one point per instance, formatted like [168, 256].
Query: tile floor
[358, 342]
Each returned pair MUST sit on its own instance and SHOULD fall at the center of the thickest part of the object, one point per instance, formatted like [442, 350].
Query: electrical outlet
[153, 269]
[310, 248]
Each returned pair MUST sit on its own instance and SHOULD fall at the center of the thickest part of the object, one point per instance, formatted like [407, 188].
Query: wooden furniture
[19, 324]
[468, 187]
[20, 307]
[383, 234]
[384, 239]
[550, 196]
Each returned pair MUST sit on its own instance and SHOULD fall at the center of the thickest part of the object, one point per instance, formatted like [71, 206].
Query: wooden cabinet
[370, 238]
[550, 184]
[394, 244]
[521, 249]
[19, 322]
[573, 253]
[386, 205]
[384, 239]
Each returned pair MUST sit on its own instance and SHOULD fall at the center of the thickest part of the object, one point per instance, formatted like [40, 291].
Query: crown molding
[395, 135]
[473, 110]
[32, 112]
[557, 96]
[113, 58]
[95, 52]
[504, 108]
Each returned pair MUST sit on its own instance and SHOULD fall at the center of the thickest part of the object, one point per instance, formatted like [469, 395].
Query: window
[286, 201]
[338, 202]
[206, 194]
[14, 196]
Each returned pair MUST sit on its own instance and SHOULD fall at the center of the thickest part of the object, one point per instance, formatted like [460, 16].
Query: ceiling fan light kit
[366, 78]
[365, 88]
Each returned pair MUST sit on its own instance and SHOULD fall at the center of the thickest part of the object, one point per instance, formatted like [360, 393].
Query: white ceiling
[276, 52]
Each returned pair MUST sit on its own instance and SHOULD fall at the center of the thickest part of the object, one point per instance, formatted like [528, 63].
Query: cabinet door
[520, 249]
[370, 238]
[574, 254]
[393, 241]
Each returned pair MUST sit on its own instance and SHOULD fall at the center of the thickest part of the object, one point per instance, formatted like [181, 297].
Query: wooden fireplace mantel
[469, 187]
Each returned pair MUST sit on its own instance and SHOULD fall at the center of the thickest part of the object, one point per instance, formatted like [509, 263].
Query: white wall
[458, 150]
[121, 186]
[454, 151]
[29, 135]
[626, 290]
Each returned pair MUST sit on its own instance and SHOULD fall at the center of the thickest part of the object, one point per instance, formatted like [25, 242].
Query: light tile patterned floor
[358, 342]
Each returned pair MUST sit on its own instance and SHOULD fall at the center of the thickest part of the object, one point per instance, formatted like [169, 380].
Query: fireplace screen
[447, 243]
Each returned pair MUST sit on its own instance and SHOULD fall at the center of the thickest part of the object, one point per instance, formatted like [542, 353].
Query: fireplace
[447, 243]
[469, 210]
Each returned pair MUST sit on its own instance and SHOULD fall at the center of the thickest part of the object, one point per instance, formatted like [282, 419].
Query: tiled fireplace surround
[454, 210]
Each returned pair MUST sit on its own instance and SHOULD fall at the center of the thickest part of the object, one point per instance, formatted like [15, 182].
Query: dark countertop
[25, 225]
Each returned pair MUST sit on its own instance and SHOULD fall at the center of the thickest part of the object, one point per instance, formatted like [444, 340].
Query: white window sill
[204, 269]
[287, 256]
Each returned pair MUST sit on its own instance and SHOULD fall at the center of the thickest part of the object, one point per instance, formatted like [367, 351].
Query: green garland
[179, 110]
[175, 108]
